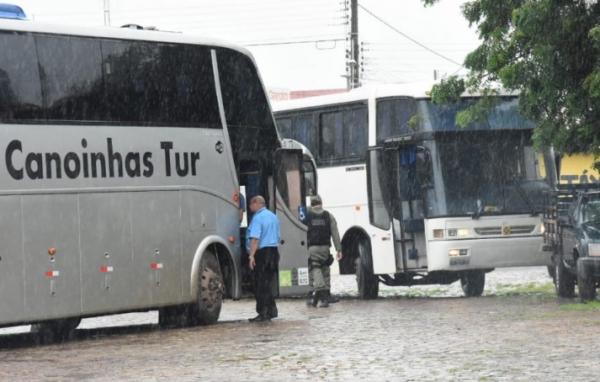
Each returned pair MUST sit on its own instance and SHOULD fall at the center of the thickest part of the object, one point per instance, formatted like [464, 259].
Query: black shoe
[324, 303]
[309, 298]
[273, 313]
[332, 299]
[259, 318]
[315, 298]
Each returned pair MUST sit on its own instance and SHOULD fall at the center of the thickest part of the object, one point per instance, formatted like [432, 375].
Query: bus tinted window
[394, 117]
[303, 130]
[284, 126]
[90, 80]
[20, 90]
[355, 132]
[70, 71]
[165, 84]
[331, 136]
[343, 135]
[247, 110]
[243, 96]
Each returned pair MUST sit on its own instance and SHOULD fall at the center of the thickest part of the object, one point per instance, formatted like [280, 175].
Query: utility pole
[106, 13]
[353, 56]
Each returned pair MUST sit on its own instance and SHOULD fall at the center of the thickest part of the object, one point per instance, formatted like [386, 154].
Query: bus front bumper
[454, 255]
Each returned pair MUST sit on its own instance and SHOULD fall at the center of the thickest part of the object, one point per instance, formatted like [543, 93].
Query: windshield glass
[488, 167]
[590, 212]
[495, 172]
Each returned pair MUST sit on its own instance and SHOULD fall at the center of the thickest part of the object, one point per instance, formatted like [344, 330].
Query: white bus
[417, 199]
[123, 153]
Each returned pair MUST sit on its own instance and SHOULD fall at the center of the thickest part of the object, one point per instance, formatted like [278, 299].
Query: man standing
[322, 228]
[263, 235]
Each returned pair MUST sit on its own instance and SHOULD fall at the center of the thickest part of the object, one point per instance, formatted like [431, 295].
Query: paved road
[518, 332]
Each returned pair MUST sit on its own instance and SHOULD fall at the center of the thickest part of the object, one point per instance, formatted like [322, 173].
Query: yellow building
[578, 169]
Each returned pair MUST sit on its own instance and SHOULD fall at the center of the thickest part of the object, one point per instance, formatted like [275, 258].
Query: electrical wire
[407, 36]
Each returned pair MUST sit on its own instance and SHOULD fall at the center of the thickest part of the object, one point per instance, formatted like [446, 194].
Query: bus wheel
[472, 283]
[367, 282]
[210, 295]
[564, 282]
[55, 330]
[586, 284]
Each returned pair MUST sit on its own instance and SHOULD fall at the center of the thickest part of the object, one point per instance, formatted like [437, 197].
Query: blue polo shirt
[264, 227]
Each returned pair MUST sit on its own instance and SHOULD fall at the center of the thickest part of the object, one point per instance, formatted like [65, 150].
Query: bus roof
[419, 90]
[118, 33]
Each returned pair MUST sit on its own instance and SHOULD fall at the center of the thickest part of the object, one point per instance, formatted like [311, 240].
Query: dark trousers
[265, 278]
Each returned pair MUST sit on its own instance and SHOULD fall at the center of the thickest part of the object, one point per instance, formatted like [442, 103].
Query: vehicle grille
[489, 230]
[506, 230]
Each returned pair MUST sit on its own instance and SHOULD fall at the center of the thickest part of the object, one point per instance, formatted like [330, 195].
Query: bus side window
[20, 88]
[290, 180]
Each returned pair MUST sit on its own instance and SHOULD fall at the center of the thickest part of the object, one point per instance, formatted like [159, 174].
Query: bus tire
[472, 283]
[367, 282]
[585, 283]
[207, 308]
[55, 330]
[564, 282]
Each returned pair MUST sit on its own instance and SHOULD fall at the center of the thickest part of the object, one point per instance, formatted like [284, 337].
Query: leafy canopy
[546, 50]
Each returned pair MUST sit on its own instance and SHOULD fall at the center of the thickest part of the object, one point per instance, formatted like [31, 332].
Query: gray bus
[123, 153]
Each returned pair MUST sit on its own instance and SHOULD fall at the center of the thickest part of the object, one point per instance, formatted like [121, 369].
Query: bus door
[402, 172]
[253, 182]
[289, 187]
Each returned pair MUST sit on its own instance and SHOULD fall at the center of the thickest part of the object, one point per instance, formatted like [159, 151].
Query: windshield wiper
[523, 195]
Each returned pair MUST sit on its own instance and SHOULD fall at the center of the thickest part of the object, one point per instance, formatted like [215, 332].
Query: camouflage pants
[319, 275]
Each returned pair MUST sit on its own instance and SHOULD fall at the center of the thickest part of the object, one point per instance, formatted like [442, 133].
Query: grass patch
[537, 289]
[581, 307]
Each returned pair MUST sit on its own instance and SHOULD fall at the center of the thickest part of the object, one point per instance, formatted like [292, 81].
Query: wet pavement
[517, 332]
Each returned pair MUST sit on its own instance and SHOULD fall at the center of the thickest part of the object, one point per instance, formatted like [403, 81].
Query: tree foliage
[546, 50]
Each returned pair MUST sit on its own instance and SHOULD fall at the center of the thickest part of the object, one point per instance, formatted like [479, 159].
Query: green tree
[546, 50]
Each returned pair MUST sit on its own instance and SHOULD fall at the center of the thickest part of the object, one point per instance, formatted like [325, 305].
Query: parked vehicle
[572, 233]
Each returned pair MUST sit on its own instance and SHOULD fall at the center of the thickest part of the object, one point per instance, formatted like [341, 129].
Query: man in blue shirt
[263, 239]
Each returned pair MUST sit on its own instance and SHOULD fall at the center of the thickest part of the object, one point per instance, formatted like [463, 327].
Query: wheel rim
[211, 288]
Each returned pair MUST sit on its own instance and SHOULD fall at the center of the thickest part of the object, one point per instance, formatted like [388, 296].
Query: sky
[272, 30]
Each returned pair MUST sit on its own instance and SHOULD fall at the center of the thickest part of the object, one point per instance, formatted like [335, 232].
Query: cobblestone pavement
[517, 332]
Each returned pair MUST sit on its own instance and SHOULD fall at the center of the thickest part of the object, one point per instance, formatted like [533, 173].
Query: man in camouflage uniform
[322, 229]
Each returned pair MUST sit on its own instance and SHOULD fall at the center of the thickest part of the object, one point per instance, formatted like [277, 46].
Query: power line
[295, 42]
[407, 36]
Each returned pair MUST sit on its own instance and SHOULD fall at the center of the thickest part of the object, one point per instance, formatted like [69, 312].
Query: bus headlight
[542, 228]
[458, 252]
[594, 249]
[459, 232]
[438, 233]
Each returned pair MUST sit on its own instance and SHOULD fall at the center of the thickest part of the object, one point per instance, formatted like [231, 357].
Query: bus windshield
[488, 167]
[478, 173]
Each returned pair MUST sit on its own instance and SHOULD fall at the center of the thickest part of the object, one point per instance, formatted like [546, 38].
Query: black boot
[309, 298]
[315, 298]
[324, 299]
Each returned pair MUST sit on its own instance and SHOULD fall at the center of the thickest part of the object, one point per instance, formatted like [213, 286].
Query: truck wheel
[564, 282]
[551, 272]
[210, 294]
[55, 330]
[472, 283]
[585, 283]
[367, 282]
